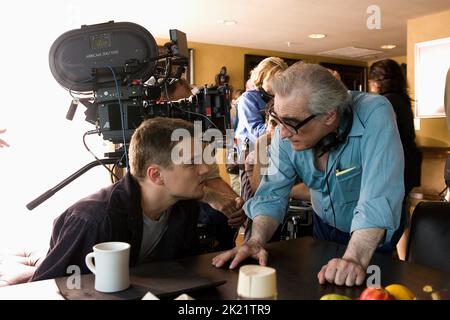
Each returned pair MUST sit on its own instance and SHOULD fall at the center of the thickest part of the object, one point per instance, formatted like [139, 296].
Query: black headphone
[334, 139]
[265, 95]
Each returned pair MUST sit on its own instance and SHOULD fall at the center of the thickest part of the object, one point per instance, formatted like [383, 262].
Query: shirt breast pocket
[348, 185]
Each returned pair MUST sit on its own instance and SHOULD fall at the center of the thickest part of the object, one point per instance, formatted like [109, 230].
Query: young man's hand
[3, 143]
[236, 219]
[230, 206]
[18, 267]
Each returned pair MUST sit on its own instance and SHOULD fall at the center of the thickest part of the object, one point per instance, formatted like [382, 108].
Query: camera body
[139, 102]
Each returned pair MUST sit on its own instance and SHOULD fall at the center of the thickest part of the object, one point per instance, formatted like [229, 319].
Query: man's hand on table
[239, 254]
[342, 272]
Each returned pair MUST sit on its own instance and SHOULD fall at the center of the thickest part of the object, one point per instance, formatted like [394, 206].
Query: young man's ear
[154, 174]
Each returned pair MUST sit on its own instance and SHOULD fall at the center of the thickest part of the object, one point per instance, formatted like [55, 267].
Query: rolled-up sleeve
[250, 114]
[382, 187]
[272, 197]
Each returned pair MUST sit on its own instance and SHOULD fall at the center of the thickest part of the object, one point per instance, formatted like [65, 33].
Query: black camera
[118, 73]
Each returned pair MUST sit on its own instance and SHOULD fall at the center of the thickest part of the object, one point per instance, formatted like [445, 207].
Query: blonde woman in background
[250, 108]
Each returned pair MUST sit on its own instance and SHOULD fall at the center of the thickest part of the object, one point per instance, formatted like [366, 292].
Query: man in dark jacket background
[152, 207]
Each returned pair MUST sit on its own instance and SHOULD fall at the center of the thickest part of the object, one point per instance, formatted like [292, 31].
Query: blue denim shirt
[250, 112]
[365, 174]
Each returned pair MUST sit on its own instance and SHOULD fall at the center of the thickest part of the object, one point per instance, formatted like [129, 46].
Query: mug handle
[89, 262]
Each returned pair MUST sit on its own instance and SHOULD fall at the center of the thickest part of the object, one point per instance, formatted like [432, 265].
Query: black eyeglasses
[291, 128]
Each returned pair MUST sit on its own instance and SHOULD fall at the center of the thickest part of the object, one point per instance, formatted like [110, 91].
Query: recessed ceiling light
[227, 22]
[290, 43]
[317, 36]
[388, 46]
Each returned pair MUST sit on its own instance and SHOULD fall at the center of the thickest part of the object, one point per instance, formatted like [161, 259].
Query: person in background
[222, 78]
[233, 107]
[232, 164]
[3, 143]
[335, 74]
[178, 89]
[251, 123]
[386, 78]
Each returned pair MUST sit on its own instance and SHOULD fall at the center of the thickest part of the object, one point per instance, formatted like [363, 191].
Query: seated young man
[152, 207]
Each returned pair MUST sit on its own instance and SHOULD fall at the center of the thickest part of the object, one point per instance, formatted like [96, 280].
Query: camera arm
[49, 193]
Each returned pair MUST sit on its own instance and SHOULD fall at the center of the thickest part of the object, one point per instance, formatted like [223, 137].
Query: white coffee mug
[111, 267]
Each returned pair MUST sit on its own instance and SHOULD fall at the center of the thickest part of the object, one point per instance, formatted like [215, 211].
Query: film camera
[118, 73]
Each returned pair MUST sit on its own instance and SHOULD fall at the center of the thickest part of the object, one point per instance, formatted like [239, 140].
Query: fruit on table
[333, 296]
[400, 292]
[375, 294]
[443, 294]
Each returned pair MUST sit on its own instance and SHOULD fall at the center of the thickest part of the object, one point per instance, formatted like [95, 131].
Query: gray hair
[315, 84]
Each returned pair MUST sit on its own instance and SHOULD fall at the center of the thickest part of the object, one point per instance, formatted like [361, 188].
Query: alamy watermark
[374, 19]
[74, 280]
[201, 148]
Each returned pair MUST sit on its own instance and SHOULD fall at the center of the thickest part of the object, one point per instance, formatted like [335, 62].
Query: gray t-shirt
[152, 232]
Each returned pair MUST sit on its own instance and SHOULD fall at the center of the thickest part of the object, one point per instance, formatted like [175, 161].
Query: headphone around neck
[334, 139]
[265, 95]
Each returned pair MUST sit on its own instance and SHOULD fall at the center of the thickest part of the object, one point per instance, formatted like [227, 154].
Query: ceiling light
[290, 43]
[317, 36]
[388, 46]
[227, 22]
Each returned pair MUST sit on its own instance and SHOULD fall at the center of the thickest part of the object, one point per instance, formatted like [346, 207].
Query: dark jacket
[405, 123]
[115, 214]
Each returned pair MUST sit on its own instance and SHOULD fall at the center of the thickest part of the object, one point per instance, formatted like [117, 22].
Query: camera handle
[49, 193]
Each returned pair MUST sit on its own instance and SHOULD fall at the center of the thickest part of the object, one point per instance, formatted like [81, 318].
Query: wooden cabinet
[354, 77]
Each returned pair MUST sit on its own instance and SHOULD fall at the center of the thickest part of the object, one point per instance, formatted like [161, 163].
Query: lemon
[333, 296]
[400, 292]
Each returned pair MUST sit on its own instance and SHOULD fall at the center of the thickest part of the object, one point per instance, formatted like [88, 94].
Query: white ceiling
[265, 24]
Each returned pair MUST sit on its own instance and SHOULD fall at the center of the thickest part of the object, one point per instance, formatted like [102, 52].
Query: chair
[429, 241]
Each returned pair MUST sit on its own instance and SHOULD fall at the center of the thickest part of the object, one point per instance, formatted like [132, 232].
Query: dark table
[297, 263]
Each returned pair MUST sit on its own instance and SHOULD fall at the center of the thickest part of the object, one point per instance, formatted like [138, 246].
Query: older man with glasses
[346, 148]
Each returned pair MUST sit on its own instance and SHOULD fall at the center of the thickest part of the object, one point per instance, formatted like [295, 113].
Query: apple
[375, 294]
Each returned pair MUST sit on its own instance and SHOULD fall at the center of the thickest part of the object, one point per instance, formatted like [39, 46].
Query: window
[432, 61]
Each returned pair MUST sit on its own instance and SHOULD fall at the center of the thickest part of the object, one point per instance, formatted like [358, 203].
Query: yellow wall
[433, 132]
[209, 58]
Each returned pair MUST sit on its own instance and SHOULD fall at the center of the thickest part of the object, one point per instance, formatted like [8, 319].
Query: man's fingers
[262, 255]
[342, 272]
[351, 279]
[237, 219]
[330, 273]
[3, 143]
[240, 256]
[239, 202]
[238, 213]
[360, 277]
[219, 261]
[321, 274]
